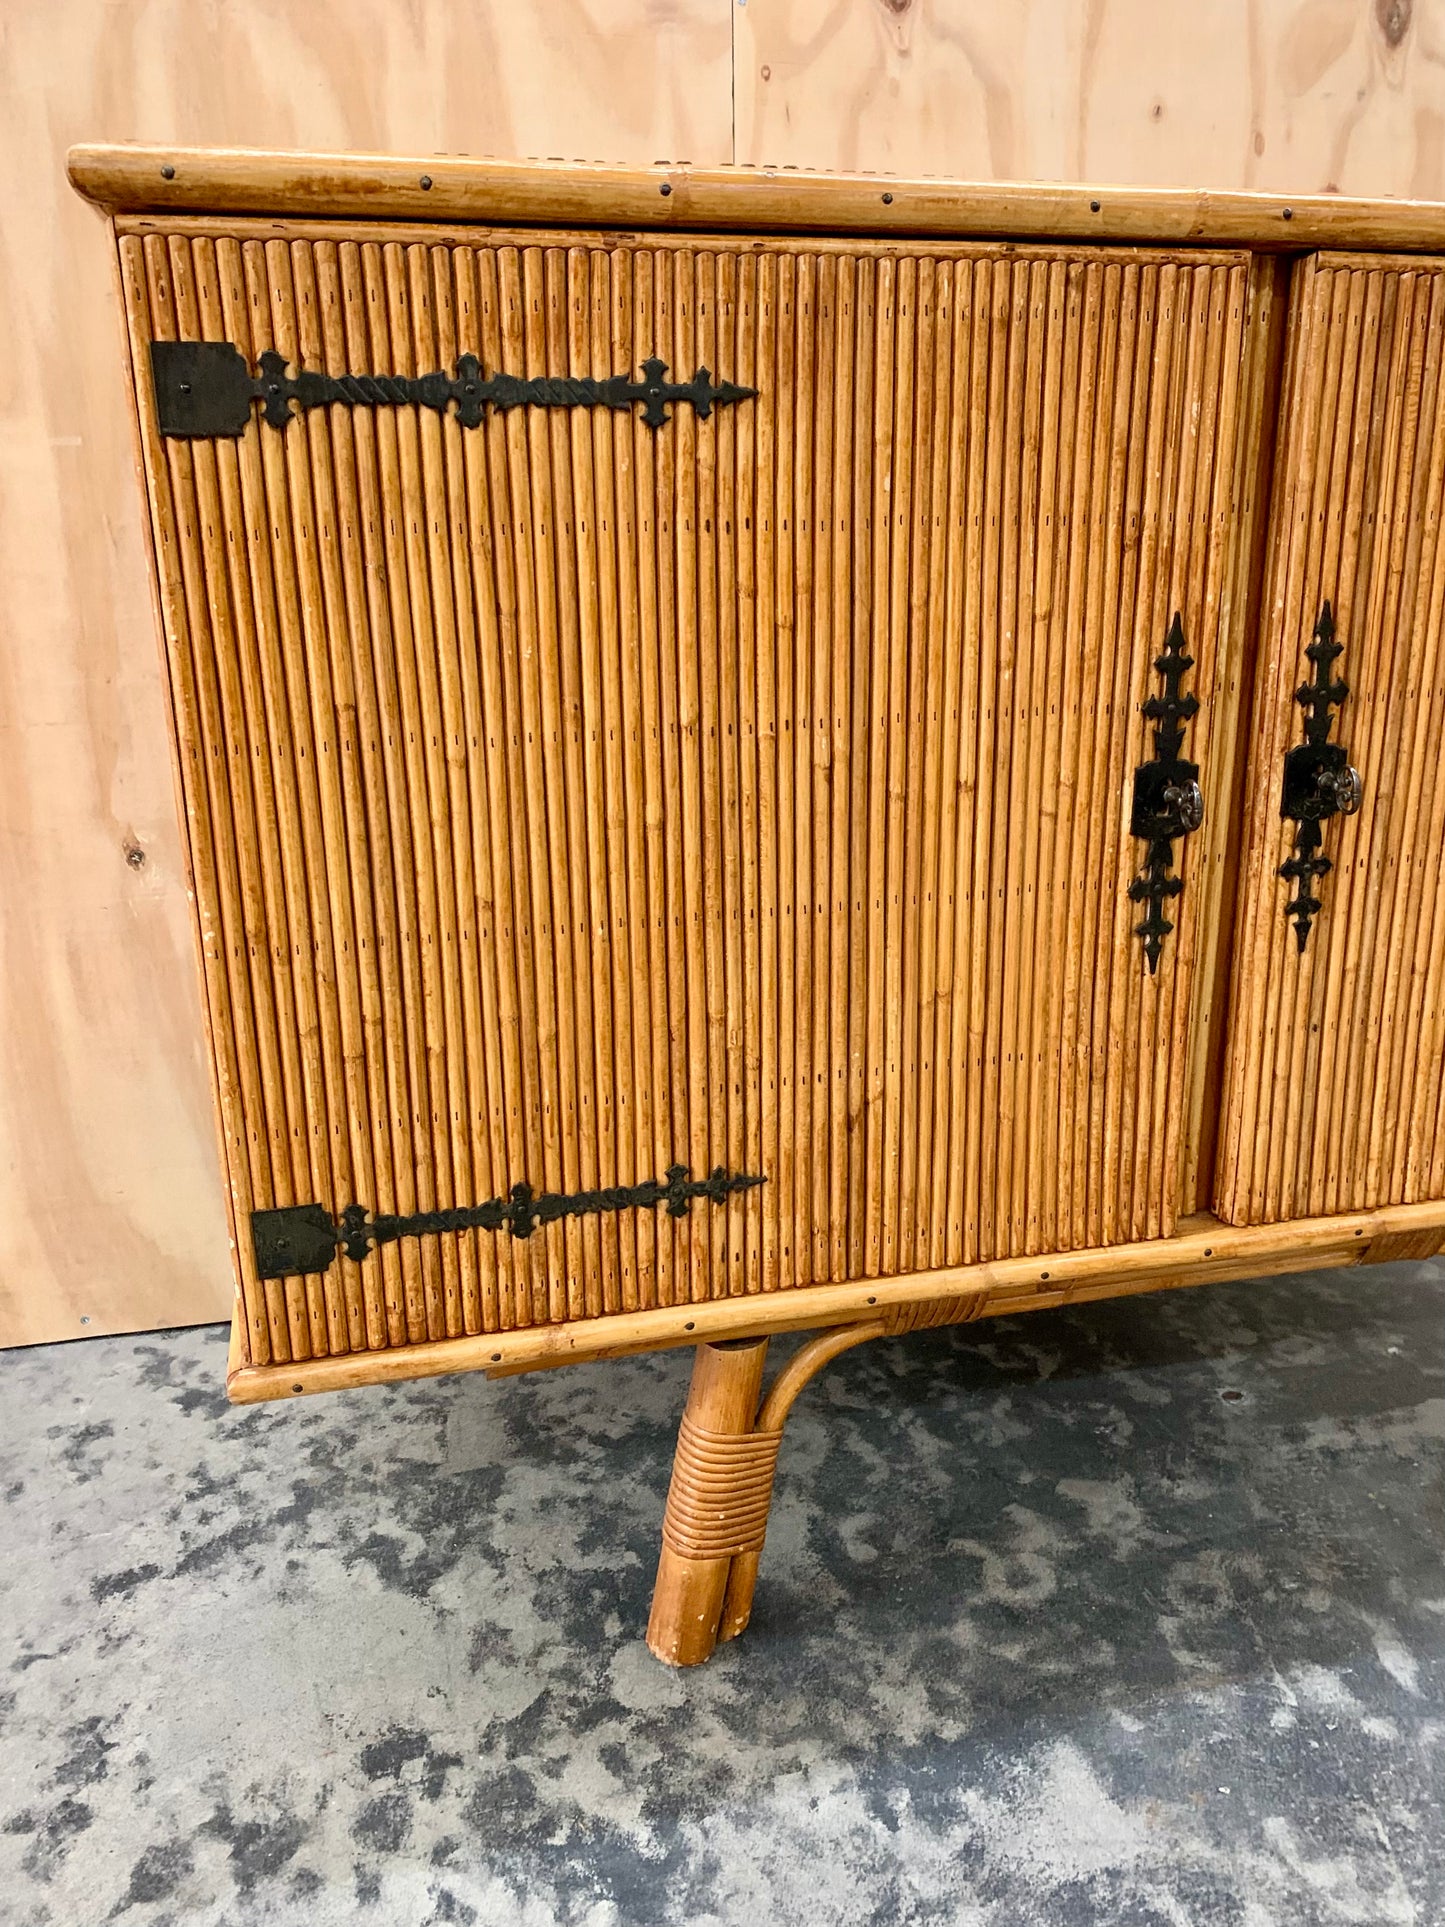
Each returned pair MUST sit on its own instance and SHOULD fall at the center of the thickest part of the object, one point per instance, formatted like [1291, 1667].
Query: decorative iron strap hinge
[1168, 801]
[301, 1239]
[205, 388]
[1318, 780]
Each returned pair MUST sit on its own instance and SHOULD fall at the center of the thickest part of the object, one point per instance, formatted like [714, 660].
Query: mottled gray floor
[1132, 1614]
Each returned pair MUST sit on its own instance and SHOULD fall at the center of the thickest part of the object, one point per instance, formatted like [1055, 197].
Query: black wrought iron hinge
[205, 388]
[1319, 781]
[300, 1239]
[1168, 801]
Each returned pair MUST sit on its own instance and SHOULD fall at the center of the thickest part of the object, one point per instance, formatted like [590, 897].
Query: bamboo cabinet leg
[722, 1487]
[722, 1481]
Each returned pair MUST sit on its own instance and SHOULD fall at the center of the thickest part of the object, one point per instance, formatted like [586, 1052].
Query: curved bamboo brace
[807, 1362]
[804, 1365]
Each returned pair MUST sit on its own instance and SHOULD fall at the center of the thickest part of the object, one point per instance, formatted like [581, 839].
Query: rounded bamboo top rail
[139, 180]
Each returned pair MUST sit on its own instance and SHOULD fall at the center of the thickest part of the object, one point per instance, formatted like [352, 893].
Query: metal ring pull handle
[1184, 802]
[1341, 791]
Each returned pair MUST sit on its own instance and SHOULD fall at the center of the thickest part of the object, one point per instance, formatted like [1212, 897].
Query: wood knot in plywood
[1393, 17]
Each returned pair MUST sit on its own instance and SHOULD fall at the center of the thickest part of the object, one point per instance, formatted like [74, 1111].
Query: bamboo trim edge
[148, 179]
[1211, 1253]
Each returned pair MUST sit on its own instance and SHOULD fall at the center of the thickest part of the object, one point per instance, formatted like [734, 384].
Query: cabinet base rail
[1202, 1251]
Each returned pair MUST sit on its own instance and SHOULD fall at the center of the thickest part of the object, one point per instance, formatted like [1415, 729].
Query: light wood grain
[1298, 96]
[111, 1212]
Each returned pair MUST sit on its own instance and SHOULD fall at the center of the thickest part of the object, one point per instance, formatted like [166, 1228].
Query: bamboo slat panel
[1333, 1086]
[568, 799]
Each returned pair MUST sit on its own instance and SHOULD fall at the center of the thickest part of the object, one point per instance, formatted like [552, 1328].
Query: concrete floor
[1133, 1614]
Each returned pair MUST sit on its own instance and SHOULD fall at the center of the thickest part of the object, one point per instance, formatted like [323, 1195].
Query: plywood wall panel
[110, 1199]
[1302, 95]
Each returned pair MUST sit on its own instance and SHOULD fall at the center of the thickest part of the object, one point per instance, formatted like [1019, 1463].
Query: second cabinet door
[1333, 1076]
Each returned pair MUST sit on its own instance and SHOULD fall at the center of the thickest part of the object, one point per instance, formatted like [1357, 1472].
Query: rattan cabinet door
[655, 847]
[1333, 1080]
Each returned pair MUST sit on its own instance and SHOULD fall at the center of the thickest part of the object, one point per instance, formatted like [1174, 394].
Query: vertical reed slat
[447, 758]
[683, 1066]
[842, 991]
[498, 1150]
[716, 1144]
[414, 618]
[1260, 830]
[829, 1048]
[1033, 1156]
[806, 648]
[908, 890]
[766, 700]
[749, 617]
[777, 822]
[368, 824]
[214, 866]
[1130, 985]
[648, 986]
[263, 1012]
[731, 551]
[343, 819]
[1088, 375]
[976, 593]
[935, 956]
[570, 352]
[959, 546]
[277, 493]
[865, 450]
[874, 1119]
[990, 816]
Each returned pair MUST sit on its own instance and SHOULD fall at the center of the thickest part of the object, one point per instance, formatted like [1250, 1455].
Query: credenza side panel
[574, 802]
[1333, 1085]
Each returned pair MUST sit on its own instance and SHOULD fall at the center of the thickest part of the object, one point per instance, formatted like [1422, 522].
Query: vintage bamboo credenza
[765, 753]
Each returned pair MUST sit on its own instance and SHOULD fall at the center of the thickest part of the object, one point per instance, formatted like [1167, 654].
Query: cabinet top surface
[137, 179]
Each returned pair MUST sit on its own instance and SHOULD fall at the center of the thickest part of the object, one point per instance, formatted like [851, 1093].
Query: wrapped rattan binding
[722, 1486]
[933, 1312]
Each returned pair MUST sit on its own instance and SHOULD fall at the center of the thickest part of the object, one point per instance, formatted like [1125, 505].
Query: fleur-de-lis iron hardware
[205, 388]
[1168, 801]
[298, 1240]
[1319, 781]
